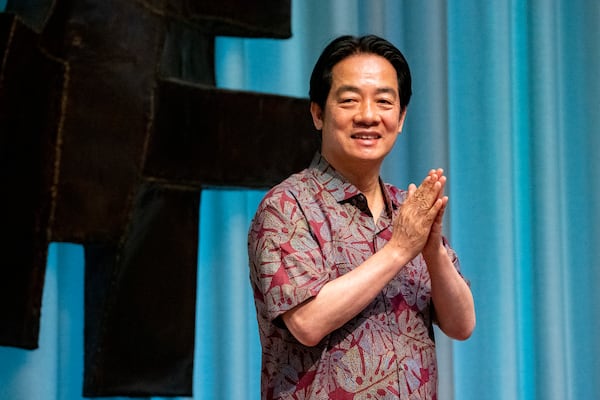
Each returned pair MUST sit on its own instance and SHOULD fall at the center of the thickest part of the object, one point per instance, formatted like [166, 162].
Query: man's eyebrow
[347, 88]
[355, 89]
[389, 90]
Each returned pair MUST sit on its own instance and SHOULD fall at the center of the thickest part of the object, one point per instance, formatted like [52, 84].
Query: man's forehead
[364, 64]
[355, 72]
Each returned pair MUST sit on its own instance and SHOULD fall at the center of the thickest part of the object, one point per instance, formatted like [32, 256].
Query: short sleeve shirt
[312, 228]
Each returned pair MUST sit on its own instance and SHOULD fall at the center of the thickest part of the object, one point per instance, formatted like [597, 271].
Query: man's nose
[367, 113]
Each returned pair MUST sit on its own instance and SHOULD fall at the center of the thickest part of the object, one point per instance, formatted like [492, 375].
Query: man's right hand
[417, 214]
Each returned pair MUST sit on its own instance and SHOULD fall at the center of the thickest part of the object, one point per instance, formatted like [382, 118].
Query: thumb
[411, 189]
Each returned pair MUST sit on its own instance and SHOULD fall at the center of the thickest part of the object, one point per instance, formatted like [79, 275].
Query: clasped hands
[418, 226]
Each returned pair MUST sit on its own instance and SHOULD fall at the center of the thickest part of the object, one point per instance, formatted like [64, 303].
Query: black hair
[347, 45]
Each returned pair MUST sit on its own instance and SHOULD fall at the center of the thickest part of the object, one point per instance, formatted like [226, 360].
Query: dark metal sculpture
[110, 126]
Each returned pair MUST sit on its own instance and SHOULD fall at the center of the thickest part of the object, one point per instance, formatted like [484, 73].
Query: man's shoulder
[294, 186]
[293, 183]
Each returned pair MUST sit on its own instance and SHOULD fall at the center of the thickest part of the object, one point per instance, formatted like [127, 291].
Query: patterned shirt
[310, 229]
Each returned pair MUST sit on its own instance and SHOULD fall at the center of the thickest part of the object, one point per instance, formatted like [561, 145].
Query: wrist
[398, 255]
[431, 254]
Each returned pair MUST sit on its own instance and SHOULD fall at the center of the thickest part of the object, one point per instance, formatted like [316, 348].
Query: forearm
[452, 298]
[343, 298]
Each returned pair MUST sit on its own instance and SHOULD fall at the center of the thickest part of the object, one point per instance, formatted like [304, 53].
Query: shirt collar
[341, 189]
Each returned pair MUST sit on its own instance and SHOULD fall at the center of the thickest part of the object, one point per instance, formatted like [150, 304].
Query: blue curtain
[506, 99]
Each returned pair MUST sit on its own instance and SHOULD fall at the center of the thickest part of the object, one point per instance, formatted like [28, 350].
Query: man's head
[359, 93]
[346, 46]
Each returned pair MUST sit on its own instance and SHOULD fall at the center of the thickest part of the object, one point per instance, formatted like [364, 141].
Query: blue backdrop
[506, 99]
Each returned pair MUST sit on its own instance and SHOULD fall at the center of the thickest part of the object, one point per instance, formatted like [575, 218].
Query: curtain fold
[522, 96]
[506, 100]
[227, 359]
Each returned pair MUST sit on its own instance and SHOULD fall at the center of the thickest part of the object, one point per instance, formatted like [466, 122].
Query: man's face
[362, 116]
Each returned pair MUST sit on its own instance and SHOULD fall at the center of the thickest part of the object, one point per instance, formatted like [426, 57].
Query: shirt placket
[385, 305]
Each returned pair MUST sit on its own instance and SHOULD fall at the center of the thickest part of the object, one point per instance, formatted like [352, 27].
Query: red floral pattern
[308, 230]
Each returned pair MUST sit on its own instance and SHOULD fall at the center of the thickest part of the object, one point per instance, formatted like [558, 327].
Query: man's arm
[452, 298]
[343, 298]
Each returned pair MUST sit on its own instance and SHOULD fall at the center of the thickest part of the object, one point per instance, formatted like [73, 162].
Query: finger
[437, 172]
[436, 185]
[436, 213]
[430, 190]
[442, 209]
[427, 183]
[426, 194]
[442, 182]
[423, 198]
[411, 189]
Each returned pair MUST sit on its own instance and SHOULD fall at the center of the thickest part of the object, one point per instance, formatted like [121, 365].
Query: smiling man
[349, 273]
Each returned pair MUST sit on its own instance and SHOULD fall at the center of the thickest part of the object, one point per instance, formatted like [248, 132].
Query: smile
[364, 136]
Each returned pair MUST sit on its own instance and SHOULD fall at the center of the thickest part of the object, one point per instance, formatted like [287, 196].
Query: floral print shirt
[310, 229]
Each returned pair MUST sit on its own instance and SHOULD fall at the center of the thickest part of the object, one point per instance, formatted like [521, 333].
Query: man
[349, 273]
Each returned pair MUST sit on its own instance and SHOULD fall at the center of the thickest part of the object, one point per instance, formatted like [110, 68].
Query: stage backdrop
[507, 100]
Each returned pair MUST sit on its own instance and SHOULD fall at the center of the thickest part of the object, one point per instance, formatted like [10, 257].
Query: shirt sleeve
[286, 263]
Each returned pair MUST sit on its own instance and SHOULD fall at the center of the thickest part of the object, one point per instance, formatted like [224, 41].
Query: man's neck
[367, 181]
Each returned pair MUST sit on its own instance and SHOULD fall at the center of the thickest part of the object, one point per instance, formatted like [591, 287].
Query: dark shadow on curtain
[110, 125]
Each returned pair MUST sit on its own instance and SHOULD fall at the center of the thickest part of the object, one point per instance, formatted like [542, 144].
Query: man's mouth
[365, 136]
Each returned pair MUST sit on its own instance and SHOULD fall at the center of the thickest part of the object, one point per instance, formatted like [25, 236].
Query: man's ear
[402, 118]
[317, 115]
